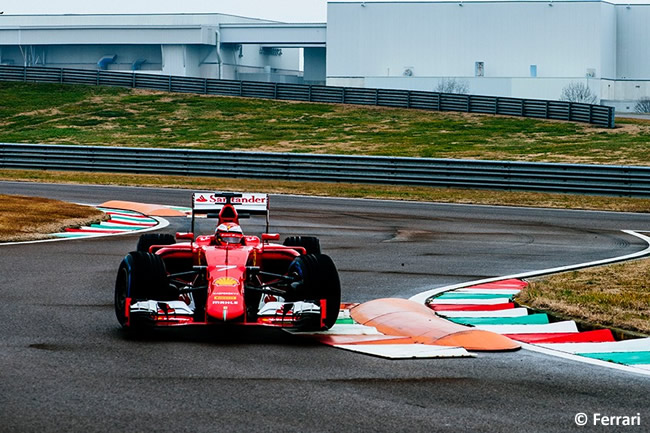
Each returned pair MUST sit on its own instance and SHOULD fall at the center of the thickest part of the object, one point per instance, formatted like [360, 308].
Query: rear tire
[141, 276]
[148, 239]
[320, 280]
[309, 243]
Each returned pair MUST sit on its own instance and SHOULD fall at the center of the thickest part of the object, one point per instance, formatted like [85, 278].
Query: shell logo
[225, 281]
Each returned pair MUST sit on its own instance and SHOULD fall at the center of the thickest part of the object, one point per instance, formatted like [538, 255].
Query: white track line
[422, 297]
[505, 292]
[555, 327]
[470, 301]
[634, 345]
[510, 312]
[407, 351]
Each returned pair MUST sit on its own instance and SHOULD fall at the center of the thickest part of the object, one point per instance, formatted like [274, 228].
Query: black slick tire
[320, 280]
[141, 276]
[148, 239]
[309, 243]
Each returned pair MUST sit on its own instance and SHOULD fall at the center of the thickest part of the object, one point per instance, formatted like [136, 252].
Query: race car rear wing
[246, 204]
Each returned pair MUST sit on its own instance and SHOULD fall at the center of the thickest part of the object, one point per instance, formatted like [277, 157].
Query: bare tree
[578, 92]
[643, 105]
[452, 85]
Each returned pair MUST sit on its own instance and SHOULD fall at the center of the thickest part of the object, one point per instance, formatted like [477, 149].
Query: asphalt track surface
[66, 366]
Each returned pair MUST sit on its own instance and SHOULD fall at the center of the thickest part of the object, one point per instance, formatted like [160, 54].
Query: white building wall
[446, 39]
[173, 62]
[607, 41]
[633, 42]
[177, 44]
[371, 44]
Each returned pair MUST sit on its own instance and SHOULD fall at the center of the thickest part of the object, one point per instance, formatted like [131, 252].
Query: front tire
[320, 280]
[141, 276]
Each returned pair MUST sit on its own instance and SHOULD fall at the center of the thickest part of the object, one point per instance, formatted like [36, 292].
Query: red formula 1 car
[227, 276]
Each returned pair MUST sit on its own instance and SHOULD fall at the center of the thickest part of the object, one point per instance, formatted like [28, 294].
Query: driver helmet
[228, 233]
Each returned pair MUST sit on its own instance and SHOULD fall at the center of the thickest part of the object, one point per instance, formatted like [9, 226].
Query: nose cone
[225, 307]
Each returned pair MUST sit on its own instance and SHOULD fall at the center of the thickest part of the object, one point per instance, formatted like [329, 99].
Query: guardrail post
[468, 102]
[241, 88]
[310, 86]
[169, 83]
[61, 76]
[376, 96]
[133, 80]
[547, 110]
[25, 74]
[343, 95]
[205, 86]
[275, 90]
[408, 99]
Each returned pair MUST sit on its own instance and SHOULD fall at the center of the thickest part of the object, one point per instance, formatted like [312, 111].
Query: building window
[533, 71]
[479, 69]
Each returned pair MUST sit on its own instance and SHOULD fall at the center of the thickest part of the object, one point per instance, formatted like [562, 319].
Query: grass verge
[614, 296]
[87, 115]
[28, 218]
[442, 195]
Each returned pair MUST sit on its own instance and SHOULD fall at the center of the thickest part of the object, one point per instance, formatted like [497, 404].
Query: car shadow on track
[218, 335]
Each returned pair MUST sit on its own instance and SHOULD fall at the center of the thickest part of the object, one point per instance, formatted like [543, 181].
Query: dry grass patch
[28, 218]
[615, 295]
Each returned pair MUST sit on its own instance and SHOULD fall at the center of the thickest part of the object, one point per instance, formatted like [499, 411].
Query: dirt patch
[27, 218]
[43, 112]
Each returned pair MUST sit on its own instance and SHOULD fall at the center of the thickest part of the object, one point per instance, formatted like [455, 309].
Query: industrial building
[525, 49]
[196, 45]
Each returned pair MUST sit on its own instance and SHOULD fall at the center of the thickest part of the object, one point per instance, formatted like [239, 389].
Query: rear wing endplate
[204, 203]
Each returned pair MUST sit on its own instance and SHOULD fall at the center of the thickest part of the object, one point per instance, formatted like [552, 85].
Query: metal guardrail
[501, 175]
[570, 111]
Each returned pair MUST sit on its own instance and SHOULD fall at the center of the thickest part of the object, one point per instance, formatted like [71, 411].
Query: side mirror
[266, 237]
[185, 236]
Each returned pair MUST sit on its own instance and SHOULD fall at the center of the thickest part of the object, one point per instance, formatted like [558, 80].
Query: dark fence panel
[569, 111]
[224, 87]
[564, 178]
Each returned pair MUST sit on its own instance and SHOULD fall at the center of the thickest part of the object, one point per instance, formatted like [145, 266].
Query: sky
[278, 10]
